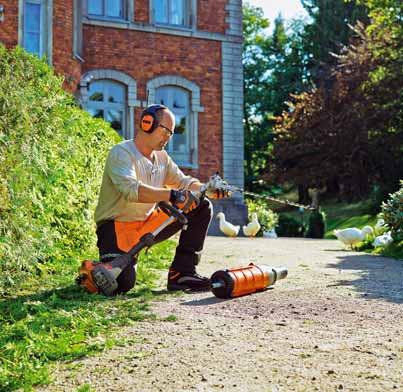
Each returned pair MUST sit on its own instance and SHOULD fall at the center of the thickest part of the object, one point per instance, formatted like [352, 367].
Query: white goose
[252, 228]
[270, 233]
[227, 228]
[352, 235]
[383, 240]
[380, 227]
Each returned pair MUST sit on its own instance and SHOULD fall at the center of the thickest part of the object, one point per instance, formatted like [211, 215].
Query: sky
[271, 8]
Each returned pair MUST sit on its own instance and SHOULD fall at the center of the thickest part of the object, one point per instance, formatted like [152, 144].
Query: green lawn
[339, 215]
[52, 319]
[343, 215]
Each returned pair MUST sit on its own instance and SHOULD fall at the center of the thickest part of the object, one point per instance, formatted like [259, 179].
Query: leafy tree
[256, 84]
[350, 135]
[328, 32]
[272, 69]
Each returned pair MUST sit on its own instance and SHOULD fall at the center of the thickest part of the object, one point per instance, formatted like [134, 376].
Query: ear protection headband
[148, 121]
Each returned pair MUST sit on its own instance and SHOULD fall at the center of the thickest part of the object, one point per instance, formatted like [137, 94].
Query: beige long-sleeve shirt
[125, 170]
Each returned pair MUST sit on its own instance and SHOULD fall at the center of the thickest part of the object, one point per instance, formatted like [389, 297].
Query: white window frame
[127, 6]
[78, 30]
[194, 109]
[189, 12]
[46, 27]
[114, 76]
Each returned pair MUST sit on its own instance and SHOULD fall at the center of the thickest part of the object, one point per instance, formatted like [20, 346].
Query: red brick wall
[63, 60]
[145, 56]
[142, 11]
[9, 28]
[211, 15]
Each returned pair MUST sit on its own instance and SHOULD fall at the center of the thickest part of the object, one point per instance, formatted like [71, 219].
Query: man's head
[157, 125]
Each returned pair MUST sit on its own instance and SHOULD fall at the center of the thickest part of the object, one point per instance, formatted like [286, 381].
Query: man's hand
[184, 200]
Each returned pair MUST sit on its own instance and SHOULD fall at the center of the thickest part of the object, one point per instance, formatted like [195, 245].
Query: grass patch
[343, 215]
[51, 319]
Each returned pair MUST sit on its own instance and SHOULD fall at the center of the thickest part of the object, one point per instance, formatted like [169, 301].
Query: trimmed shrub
[51, 162]
[392, 213]
[289, 227]
[316, 225]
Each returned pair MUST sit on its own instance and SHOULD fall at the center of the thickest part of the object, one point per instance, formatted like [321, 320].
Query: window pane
[177, 12]
[161, 96]
[32, 17]
[31, 43]
[95, 7]
[115, 117]
[179, 101]
[97, 113]
[32, 28]
[161, 11]
[114, 8]
[116, 93]
[96, 91]
[180, 138]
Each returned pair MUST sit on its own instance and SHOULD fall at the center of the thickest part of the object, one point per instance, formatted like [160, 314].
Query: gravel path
[335, 323]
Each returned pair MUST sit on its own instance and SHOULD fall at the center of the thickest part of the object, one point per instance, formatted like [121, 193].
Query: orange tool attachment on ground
[236, 282]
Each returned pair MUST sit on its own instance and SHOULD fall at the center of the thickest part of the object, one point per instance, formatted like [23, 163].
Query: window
[35, 27]
[114, 9]
[111, 95]
[182, 96]
[173, 12]
[177, 99]
[107, 100]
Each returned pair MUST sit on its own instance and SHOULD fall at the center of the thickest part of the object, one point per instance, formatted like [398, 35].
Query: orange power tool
[97, 277]
[236, 282]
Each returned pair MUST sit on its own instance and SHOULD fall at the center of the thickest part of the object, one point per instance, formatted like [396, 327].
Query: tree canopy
[332, 117]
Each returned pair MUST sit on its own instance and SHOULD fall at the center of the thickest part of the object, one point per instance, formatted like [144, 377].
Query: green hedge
[392, 213]
[51, 161]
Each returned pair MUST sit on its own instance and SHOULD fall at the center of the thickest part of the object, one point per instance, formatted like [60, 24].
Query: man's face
[165, 129]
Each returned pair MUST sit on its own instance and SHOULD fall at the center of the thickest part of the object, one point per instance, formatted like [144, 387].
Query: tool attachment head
[236, 282]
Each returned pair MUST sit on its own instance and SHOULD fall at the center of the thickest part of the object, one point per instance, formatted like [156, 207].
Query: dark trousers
[187, 253]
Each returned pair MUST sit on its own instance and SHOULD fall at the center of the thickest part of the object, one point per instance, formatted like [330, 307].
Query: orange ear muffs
[148, 121]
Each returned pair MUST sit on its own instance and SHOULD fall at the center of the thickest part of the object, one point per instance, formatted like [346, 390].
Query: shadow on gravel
[204, 301]
[381, 277]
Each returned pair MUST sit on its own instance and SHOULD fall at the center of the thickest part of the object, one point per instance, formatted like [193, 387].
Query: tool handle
[170, 210]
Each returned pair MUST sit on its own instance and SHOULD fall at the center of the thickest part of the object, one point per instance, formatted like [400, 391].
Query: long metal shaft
[216, 183]
[282, 201]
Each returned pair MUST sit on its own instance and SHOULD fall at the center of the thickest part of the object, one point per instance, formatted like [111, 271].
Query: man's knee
[205, 208]
[127, 279]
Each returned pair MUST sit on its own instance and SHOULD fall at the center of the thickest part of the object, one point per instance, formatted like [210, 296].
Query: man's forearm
[150, 194]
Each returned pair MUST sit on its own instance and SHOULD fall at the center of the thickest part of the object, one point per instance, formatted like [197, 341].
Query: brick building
[119, 55]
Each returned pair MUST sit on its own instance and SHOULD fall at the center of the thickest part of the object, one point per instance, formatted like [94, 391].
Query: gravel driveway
[335, 323]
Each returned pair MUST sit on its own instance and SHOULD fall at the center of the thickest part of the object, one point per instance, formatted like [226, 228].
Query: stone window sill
[106, 19]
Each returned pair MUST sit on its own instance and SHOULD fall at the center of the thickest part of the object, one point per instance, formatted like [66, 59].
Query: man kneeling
[138, 174]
